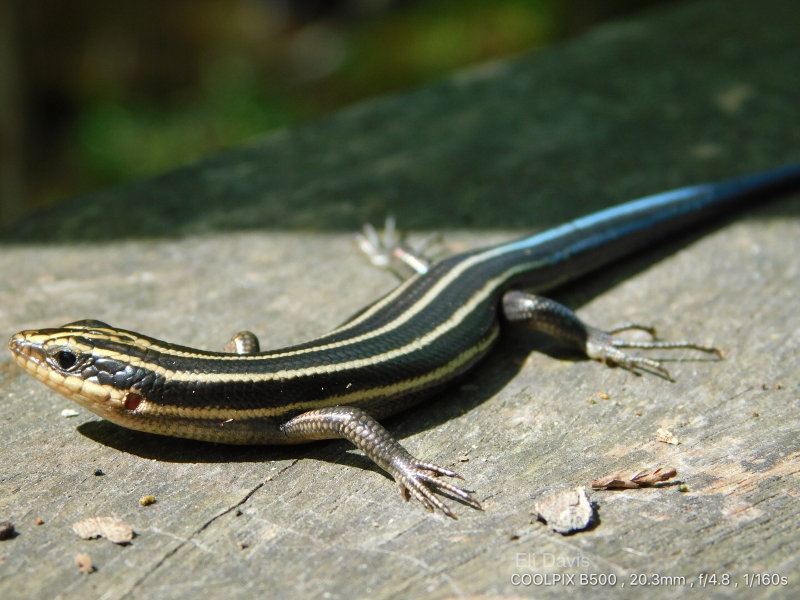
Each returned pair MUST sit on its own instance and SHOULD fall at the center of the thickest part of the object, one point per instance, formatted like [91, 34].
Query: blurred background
[93, 92]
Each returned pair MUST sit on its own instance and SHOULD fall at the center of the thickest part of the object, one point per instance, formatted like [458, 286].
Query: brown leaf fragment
[566, 511]
[640, 479]
[666, 436]
[84, 563]
[110, 528]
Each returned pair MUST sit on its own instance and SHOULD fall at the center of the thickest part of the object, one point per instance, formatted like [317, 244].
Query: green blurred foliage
[438, 36]
[118, 141]
[150, 85]
[232, 101]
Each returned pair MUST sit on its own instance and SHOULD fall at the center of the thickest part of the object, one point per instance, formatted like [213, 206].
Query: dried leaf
[566, 511]
[640, 479]
[84, 563]
[110, 528]
[663, 435]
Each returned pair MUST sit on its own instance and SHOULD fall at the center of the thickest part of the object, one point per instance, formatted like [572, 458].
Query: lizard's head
[86, 361]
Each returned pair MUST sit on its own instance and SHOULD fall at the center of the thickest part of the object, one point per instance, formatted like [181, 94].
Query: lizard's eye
[65, 359]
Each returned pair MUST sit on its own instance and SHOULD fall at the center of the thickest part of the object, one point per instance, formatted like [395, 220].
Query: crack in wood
[194, 534]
